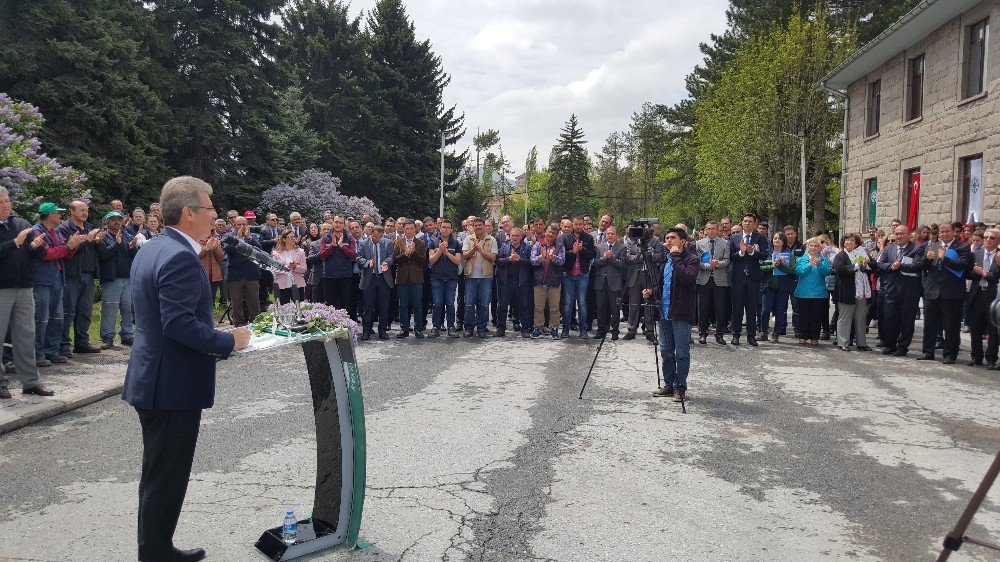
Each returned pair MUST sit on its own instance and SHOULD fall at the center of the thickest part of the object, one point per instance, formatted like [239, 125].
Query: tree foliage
[747, 154]
[569, 186]
[313, 192]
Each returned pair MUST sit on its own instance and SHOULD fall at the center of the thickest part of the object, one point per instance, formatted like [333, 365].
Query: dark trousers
[168, 443]
[638, 305]
[517, 299]
[411, 296]
[606, 304]
[775, 303]
[354, 303]
[746, 295]
[943, 314]
[898, 316]
[376, 294]
[314, 293]
[978, 315]
[591, 301]
[337, 292]
[240, 291]
[811, 313]
[264, 288]
[712, 299]
[285, 295]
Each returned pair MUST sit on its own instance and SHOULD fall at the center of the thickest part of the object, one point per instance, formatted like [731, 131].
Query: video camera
[641, 230]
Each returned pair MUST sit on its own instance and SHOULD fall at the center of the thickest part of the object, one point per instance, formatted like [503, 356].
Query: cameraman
[680, 275]
[644, 256]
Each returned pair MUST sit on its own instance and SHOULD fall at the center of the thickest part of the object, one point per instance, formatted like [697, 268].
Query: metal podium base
[338, 412]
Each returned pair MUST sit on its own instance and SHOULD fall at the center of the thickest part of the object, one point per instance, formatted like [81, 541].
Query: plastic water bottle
[290, 529]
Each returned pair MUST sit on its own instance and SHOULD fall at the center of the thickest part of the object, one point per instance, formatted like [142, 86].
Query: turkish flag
[911, 216]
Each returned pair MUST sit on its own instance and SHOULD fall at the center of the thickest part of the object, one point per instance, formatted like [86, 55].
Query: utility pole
[441, 204]
[802, 173]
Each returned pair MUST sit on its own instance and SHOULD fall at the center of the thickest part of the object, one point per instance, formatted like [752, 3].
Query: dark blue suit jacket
[747, 267]
[176, 344]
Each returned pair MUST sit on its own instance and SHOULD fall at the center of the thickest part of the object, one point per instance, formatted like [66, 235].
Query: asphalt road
[481, 450]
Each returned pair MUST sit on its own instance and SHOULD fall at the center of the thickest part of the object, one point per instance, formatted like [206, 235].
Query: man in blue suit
[171, 374]
[375, 259]
[746, 250]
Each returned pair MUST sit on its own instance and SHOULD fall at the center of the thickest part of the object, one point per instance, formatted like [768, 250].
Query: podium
[338, 410]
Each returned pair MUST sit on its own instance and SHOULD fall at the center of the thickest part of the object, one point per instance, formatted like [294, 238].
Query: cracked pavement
[480, 450]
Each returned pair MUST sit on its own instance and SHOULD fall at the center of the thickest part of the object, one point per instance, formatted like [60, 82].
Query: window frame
[964, 181]
[915, 85]
[867, 188]
[979, 49]
[873, 108]
[904, 198]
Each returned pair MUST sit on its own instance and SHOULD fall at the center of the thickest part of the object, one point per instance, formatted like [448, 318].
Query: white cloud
[523, 66]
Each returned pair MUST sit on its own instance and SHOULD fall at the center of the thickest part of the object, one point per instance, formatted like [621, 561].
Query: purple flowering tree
[313, 192]
[28, 173]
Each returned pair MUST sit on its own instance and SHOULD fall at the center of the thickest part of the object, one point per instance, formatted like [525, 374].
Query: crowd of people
[435, 278]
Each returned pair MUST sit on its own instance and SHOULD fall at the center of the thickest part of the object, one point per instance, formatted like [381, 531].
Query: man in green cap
[49, 283]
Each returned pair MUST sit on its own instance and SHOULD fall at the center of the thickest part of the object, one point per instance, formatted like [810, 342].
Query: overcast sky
[523, 66]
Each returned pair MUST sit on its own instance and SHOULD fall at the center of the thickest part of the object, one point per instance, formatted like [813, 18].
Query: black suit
[984, 290]
[745, 281]
[900, 290]
[943, 294]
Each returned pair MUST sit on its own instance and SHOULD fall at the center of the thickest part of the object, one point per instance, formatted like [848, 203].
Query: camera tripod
[956, 538]
[656, 358]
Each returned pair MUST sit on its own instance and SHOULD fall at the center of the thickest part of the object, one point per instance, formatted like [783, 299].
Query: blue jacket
[812, 278]
[176, 344]
[519, 272]
[49, 270]
[241, 268]
[115, 259]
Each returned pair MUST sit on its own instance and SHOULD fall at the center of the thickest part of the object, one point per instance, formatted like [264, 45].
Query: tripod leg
[656, 356]
[953, 541]
[596, 355]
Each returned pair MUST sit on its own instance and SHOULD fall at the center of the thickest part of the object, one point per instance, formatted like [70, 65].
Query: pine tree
[218, 60]
[296, 145]
[570, 185]
[86, 65]
[408, 114]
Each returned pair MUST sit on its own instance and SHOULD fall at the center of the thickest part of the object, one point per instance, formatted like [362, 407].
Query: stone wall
[949, 129]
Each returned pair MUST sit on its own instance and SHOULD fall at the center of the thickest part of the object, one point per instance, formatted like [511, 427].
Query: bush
[313, 192]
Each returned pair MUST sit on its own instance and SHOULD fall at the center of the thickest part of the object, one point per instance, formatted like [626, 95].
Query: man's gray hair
[3, 191]
[294, 215]
[180, 193]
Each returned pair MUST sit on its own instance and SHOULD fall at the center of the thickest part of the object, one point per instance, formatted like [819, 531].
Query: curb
[76, 401]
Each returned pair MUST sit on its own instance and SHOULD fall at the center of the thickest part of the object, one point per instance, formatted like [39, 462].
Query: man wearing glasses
[985, 273]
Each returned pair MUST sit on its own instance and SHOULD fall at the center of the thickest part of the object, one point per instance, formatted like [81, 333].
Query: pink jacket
[298, 259]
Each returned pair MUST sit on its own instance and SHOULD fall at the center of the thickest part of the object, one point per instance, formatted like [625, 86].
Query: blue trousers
[116, 297]
[48, 319]
[775, 302]
[411, 297]
[517, 297]
[376, 294]
[443, 295]
[78, 298]
[575, 292]
[477, 303]
[675, 351]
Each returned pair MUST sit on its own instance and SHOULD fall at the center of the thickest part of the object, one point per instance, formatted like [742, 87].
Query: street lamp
[802, 173]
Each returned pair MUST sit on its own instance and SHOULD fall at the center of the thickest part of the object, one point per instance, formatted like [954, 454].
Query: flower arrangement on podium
[307, 318]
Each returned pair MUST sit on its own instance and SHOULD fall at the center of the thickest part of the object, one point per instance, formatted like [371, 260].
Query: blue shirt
[668, 276]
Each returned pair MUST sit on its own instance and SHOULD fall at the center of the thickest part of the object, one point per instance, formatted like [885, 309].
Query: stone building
[923, 129]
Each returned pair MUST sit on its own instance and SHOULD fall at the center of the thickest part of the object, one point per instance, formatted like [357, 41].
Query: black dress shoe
[991, 366]
[5, 394]
[614, 336]
[703, 340]
[87, 349]
[719, 339]
[38, 390]
[864, 348]
[736, 340]
[191, 555]
[366, 336]
[948, 361]
[899, 353]
[383, 336]
[419, 334]
[888, 351]
[752, 341]
[403, 334]
[925, 357]
[975, 363]
[629, 336]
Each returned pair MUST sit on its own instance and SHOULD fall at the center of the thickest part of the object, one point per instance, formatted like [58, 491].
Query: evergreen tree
[323, 52]
[570, 185]
[468, 199]
[218, 60]
[408, 115]
[296, 146]
[86, 65]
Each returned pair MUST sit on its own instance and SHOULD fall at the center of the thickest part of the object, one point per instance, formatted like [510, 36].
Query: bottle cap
[289, 512]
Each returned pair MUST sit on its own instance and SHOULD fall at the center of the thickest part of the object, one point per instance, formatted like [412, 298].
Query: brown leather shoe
[664, 392]
[5, 394]
[38, 390]
[678, 395]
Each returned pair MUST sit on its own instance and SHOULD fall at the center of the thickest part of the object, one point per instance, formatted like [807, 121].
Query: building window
[915, 88]
[910, 196]
[970, 189]
[874, 108]
[974, 61]
[871, 200]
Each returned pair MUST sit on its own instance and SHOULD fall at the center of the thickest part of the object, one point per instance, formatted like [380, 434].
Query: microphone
[256, 255]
